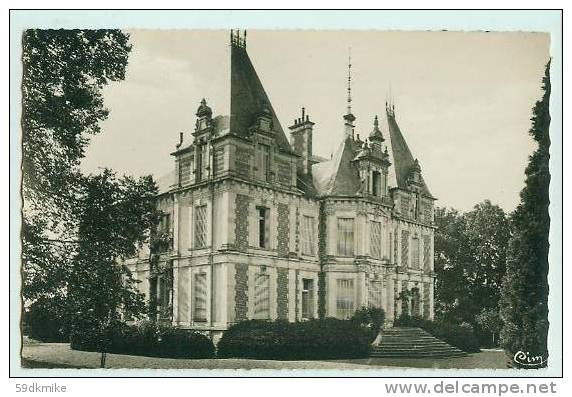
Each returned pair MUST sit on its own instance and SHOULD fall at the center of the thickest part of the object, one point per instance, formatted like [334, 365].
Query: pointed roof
[248, 99]
[338, 176]
[376, 134]
[403, 162]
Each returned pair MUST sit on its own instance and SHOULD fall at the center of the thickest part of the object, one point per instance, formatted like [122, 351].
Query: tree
[64, 72]
[487, 235]
[489, 320]
[524, 302]
[450, 256]
[470, 253]
[115, 216]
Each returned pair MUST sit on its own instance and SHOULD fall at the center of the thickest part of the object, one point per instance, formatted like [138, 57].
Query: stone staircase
[402, 342]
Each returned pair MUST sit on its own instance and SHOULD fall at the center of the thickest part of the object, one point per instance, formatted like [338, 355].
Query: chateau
[257, 227]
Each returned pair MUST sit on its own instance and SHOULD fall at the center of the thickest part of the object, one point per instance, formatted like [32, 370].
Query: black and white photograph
[242, 198]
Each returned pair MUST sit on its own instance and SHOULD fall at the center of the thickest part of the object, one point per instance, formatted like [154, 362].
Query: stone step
[401, 342]
[419, 355]
[410, 342]
[415, 348]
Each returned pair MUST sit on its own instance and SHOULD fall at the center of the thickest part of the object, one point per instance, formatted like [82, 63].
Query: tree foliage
[489, 320]
[524, 303]
[470, 256]
[114, 216]
[64, 72]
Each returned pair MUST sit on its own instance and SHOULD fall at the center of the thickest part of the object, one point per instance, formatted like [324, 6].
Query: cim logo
[526, 360]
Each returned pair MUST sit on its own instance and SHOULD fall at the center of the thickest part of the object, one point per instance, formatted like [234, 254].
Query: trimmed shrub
[309, 340]
[145, 339]
[371, 318]
[462, 336]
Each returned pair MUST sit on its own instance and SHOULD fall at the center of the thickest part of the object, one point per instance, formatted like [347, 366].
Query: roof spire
[349, 117]
[349, 80]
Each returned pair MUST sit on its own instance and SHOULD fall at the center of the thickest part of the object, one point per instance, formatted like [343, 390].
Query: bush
[462, 336]
[145, 339]
[41, 322]
[280, 340]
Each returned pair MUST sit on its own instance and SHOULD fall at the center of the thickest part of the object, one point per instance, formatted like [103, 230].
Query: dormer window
[265, 124]
[201, 162]
[263, 162]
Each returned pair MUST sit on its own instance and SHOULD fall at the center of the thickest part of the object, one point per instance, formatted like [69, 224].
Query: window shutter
[262, 297]
[200, 301]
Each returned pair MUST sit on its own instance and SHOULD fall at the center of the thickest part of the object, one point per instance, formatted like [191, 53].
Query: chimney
[301, 142]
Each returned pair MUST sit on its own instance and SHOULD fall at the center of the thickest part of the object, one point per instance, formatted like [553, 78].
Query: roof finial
[349, 80]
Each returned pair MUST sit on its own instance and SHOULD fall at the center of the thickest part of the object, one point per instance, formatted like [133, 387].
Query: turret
[376, 137]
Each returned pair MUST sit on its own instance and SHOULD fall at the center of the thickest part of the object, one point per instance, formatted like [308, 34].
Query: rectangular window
[199, 163]
[345, 298]
[375, 239]
[200, 297]
[201, 226]
[308, 235]
[415, 253]
[345, 236]
[307, 298]
[165, 228]
[263, 226]
[262, 297]
[165, 224]
[376, 183]
[263, 161]
[375, 293]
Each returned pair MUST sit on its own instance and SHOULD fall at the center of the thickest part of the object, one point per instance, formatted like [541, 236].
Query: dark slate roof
[403, 161]
[248, 98]
[338, 176]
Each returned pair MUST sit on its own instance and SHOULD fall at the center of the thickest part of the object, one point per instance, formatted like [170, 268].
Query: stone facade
[262, 228]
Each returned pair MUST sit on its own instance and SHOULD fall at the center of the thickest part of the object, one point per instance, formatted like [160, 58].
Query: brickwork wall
[241, 292]
[426, 300]
[426, 253]
[241, 225]
[322, 255]
[282, 293]
[404, 248]
[283, 229]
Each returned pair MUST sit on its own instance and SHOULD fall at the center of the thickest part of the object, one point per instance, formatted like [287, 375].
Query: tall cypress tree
[524, 298]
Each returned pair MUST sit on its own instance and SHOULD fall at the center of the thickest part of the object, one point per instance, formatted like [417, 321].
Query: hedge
[145, 339]
[461, 336]
[309, 340]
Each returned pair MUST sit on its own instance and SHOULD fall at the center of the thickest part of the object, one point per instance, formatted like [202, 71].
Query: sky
[463, 100]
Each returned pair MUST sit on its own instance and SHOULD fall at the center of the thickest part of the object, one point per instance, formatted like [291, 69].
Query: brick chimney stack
[301, 142]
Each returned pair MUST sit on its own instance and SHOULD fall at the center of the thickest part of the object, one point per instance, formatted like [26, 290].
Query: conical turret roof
[248, 99]
[403, 161]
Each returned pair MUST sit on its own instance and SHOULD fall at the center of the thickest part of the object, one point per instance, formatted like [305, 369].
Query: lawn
[60, 355]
